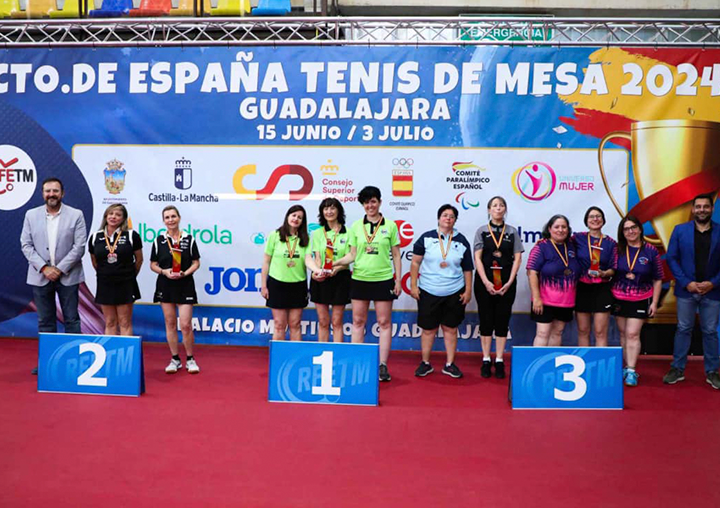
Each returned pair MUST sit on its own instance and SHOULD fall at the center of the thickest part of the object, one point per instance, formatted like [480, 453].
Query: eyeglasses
[593, 217]
[630, 228]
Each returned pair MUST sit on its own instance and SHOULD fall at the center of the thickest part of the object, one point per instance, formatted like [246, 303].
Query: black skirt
[286, 295]
[178, 291]
[117, 292]
[373, 291]
[333, 290]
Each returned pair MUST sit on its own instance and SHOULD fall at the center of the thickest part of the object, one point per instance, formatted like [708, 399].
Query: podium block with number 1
[324, 373]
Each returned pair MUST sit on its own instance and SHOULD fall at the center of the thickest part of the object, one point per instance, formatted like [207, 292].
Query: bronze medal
[291, 264]
[565, 260]
[630, 276]
[497, 254]
[443, 264]
[443, 251]
[568, 272]
[496, 241]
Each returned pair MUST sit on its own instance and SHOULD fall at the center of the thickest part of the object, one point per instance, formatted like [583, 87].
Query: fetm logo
[272, 183]
[466, 203]
[534, 181]
[405, 231]
[18, 177]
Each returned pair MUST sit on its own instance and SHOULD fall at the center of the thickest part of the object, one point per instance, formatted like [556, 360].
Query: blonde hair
[124, 226]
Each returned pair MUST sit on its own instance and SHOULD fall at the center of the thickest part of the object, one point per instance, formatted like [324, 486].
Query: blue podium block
[91, 364]
[567, 378]
[324, 373]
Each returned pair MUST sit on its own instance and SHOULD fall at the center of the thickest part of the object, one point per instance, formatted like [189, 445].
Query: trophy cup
[673, 161]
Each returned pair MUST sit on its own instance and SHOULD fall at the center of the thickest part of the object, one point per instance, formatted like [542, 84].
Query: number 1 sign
[323, 373]
[567, 378]
[91, 364]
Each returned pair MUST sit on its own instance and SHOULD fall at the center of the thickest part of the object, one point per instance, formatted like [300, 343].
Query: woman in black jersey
[116, 254]
[175, 258]
[498, 254]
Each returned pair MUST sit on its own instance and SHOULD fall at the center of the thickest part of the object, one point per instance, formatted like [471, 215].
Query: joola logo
[272, 183]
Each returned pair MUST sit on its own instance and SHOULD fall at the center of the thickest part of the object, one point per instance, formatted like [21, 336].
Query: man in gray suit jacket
[53, 241]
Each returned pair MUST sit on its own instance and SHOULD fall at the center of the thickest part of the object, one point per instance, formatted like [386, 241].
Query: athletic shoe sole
[425, 373]
[451, 374]
[710, 383]
[681, 378]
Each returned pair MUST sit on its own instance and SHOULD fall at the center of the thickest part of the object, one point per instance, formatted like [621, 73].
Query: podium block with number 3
[567, 378]
[324, 373]
[90, 364]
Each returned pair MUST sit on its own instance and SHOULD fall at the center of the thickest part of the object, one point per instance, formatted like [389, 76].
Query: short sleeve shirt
[161, 251]
[494, 256]
[647, 269]
[434, 278]
[373, 262]
[280, 254]
[608, 255]
[128, 242]
[557, 288]
[324, 239]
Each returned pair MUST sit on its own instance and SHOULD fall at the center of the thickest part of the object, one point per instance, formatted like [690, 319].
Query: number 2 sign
[91, 364]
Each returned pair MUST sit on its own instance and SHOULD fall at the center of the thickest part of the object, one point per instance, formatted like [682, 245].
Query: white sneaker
[192, 366]
[173, 366]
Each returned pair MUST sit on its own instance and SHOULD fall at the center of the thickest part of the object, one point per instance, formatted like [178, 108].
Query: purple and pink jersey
[608, 256]
[648, 268]
[556, 288]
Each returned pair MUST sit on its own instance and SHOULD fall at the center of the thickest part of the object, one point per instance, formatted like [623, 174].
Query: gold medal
[368, 238]
[291, 251]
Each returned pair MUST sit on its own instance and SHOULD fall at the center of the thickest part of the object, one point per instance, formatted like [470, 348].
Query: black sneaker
[423, 369]
[500, 370]
[383, 374]
[713, 379]
[452, 371]
[673, 376]
[486, 369]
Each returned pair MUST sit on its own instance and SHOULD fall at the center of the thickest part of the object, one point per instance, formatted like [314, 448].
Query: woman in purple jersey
[636, 289]
[553, 271]
[597, 255]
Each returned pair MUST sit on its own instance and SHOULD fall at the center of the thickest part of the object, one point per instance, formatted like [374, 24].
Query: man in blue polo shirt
[444, 259]
[694, 259]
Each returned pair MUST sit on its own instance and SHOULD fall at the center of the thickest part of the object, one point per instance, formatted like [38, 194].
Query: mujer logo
[272, 183]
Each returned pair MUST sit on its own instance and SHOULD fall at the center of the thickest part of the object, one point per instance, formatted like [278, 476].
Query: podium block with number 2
[567, 378]
[324, 373]
[90, 364]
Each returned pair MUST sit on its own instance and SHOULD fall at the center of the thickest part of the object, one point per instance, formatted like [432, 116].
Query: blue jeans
[709, 313]
[45, 303]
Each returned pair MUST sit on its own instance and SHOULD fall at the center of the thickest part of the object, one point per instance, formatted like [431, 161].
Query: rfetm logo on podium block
[567, 378]
[90, 364]
[323, 373]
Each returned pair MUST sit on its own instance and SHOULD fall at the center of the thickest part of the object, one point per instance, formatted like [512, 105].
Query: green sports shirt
[278, 251]
[319, 243]
[373, 262]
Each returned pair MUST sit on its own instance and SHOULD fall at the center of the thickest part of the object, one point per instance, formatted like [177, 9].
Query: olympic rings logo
[403, 163]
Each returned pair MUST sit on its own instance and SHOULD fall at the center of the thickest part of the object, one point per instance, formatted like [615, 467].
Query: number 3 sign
[567, 378]
[93, 364]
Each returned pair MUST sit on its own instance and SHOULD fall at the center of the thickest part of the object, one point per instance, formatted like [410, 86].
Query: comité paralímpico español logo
[534, 181]
[269, 189]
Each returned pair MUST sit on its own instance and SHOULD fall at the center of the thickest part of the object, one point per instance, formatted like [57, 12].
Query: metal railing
[249, 31]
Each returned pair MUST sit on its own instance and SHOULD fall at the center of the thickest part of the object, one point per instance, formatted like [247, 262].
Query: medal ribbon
[443, 251]
[291, 251]
[369, 238]
[496, 241]
[114, 245]
[594, 253]
[566, 259]
[627, 254]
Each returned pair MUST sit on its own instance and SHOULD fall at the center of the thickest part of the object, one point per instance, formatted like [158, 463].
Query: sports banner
[234, 137]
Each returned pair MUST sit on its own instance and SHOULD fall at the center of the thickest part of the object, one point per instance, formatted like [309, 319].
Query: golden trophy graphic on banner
[673, 161]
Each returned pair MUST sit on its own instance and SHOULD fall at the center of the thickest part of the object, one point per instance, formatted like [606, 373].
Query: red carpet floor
[213, 440]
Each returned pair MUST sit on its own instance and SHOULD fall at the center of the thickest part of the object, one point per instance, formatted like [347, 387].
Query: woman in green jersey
[284, 276]
[330, 285]
[376, 276]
